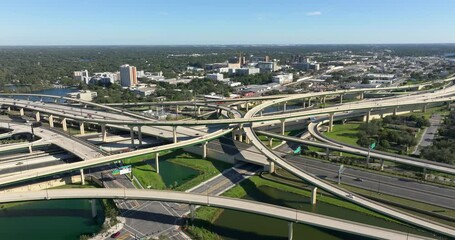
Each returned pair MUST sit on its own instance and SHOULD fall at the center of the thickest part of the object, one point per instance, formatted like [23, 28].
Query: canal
[50, 220]
[232, 224]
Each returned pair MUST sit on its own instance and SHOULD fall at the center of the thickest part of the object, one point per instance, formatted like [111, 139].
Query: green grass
[346, 133]
[211, 214]
[144, 172]
[265, 141]
[147, 176]
[207, 168]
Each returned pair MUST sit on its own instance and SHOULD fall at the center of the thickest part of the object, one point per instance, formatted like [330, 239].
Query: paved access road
[429, 134]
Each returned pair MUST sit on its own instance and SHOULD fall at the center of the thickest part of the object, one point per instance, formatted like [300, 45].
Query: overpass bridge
[438, 96]
[287, 214]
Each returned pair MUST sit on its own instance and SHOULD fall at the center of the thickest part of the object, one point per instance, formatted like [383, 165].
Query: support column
[362, 95]
[82, 128]
[424, 108]
[290, 230]
[327, 153]
[303, 103]
[331, 122]
[51, 121]
[323, 99]
[368, 116]
[21, 112]
[204, 150]
[247, 140]
[271, 167]
[174, 133]
[234, 136]
[157, 162]
[314, 193]
[30, 150]
[284, 106]
[309, 102]
[270, 141]
[8, 109]
[199, 110]
[139, 134]
[260, 113]
[240, 137]
[395, 111]
[132, 134]
[247, 106]
[82, 177]
[382, 164]
[283, 126]
[93, 202]
[65, 128]
[37, 116]
[341, 98]
[103, 132]
[448, 105]
[192, 212]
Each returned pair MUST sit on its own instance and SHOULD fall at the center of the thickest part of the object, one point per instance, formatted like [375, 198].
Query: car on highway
[115, 235]
[358, 179]
[350, 196]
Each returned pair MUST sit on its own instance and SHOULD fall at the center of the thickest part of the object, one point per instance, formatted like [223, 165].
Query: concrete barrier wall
[43, 185]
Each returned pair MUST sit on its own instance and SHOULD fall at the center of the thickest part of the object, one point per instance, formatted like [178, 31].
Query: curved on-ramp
[381, 208]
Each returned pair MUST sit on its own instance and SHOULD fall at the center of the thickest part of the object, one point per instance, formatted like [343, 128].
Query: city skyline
[51, 22]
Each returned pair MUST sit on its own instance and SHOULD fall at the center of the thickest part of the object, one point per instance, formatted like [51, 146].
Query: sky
[200, 22]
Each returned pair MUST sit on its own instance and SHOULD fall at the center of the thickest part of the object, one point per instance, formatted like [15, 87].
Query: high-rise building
[128, 75]
[81, 76]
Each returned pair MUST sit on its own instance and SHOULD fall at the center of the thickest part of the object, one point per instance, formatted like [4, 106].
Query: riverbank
[210, 222]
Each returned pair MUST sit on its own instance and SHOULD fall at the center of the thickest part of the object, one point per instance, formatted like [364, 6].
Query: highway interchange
[188, 136]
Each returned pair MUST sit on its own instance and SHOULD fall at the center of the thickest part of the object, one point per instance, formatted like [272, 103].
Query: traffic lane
[375, 185]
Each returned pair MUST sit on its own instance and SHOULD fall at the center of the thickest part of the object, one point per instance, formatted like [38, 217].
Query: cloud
[316, 13]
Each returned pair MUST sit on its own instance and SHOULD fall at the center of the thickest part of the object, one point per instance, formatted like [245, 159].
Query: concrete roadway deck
[287, 214]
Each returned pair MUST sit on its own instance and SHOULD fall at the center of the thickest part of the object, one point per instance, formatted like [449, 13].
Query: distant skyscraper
[128, 75]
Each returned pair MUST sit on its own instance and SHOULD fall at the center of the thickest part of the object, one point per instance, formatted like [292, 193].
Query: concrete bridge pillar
[395, 111]
[260, 113]
[82, 177]
[64, 126]
[37, 116]
[367, 117]
[284, 106]
[51, 121]
[177, 109]
[55, 100]
[199, 110]
[30, 149]
[204, 150]
[21, 112]
[103, 132]
[240, 137]
[331, 122]
[323, 99]
[192, 212]
[139, 134]
[93, 203]
[303, 103]
[424, 108]
[132, 134]
[271, 166]
[314, 193]
[82, 128]
[234, 136]
[247, 140]
[270, 141]
[247, 106]
[309, 101]
[283, 126]
[290, 230]
[327, 153]
[8, 109]
[341, 98]
[382, 164]
[362, 95]
[448, 105]
[157, 162]
[174, 133]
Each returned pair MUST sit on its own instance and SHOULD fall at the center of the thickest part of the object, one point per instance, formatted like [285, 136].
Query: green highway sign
[372, 145]
[298, 150]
